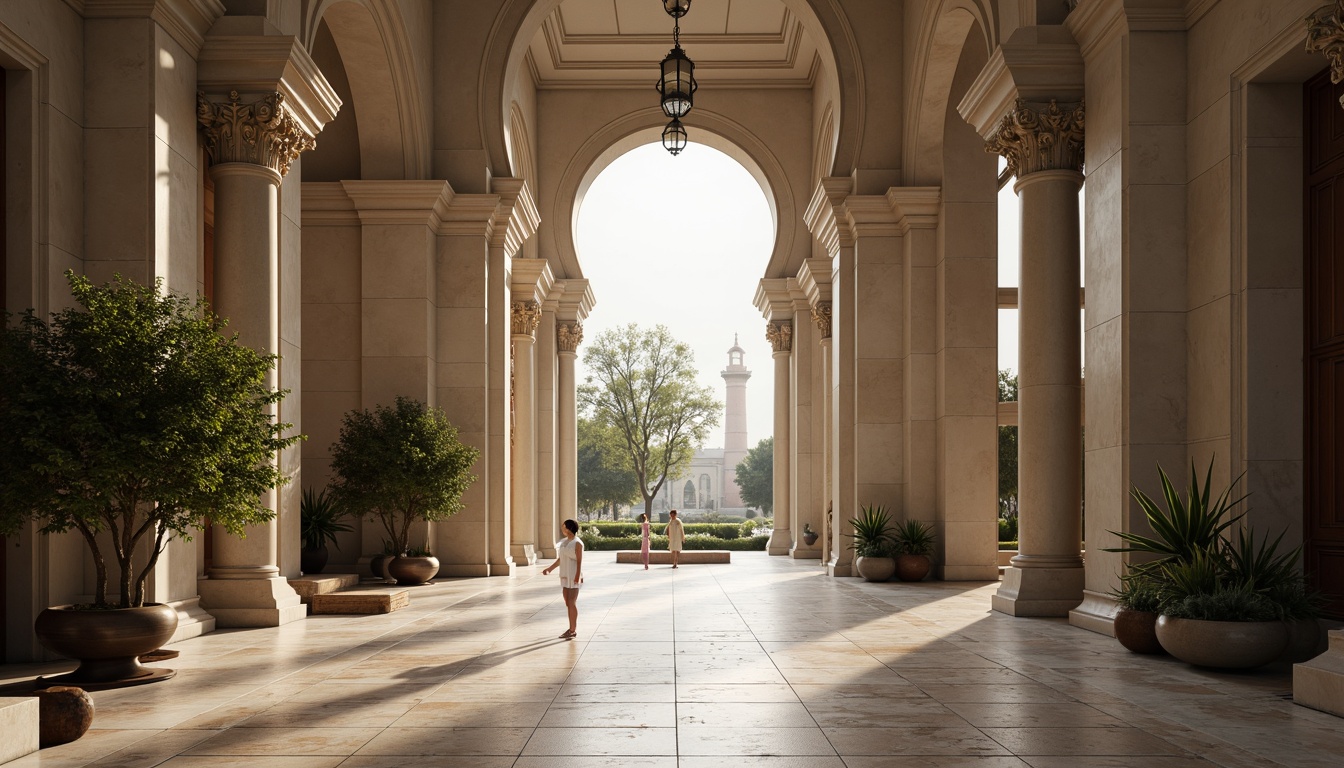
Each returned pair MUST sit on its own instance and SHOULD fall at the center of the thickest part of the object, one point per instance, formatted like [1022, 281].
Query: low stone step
[19, 724]
[360, 601]
[688, 556]
[322, 584]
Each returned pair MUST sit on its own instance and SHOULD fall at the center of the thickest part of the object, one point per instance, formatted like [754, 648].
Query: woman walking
[644, 539]
[676, 537]
[569, 559]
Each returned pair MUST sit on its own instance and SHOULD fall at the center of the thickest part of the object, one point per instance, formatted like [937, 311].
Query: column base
[524, 554]
[780, 542]
[192, 620]
[548, 552]
[1039, 592]
[251, 602]
[967, 572]
[805, 553]
[1096, 614]
[835, 568]
[1319, 683]
[501, 569]
[470, 570]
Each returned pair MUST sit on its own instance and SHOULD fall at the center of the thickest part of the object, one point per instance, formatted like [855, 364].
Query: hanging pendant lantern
[677, 8]
[674, 137]
[677, 86]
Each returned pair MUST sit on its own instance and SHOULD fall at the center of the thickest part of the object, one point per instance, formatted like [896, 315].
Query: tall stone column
[780, 335]
[1043, 145]
[252, 145]
[526, 318]
[821, 315]
[568, 336]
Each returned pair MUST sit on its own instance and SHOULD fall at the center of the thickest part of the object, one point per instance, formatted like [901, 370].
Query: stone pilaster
[575, 304]
[530, 280]
[1043, 145]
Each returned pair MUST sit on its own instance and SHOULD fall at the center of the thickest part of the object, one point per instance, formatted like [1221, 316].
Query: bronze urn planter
[913, 567]
[410, 571]
[1137, 631]
[107, 643]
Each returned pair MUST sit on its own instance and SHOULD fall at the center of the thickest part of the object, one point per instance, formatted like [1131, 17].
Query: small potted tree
[319, 522]
[914, 540]
[872, 543]
[401, 464]
[130, 420]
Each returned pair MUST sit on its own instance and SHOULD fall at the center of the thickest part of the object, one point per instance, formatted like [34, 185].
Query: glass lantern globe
[677, 86]
[674, 137]
[677, 8]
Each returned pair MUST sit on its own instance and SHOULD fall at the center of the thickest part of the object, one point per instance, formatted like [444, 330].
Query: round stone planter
[411, 571]
[875, 568]
[378, 566]
[64, 714]
[1222, 644]
[312, 561]
[1137, 631]
[913, 567]
[107, 643]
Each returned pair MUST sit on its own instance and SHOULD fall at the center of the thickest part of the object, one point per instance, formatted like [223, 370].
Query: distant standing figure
[569, 559]
[676, 536]
[644, 539]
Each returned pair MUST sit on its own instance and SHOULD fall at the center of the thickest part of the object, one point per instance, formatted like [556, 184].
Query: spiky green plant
[1186, 527]
[914, 537]
[871, 537]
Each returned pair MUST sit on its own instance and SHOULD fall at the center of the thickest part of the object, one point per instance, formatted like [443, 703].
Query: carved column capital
[568, 335]
[1325, 34]
[261, 133]
[780, 335]
[1040, 137]
[526, 317]
[821, 315]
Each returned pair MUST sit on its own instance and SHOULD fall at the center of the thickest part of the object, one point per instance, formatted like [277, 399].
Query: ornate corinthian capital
[526, 317]
[1036, 137]
[780, 335]
[1325, 34]
[260, 133]
[568, 335]
[821, 315]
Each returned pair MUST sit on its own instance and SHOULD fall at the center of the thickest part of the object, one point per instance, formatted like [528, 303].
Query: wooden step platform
[360, 601]
[322, 584]
[688, 556]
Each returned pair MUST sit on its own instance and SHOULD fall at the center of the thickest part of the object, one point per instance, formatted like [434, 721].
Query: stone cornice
[325, 203]
[869, 216]
[577, 299]
[186, 21]
[797, 295]
[411, 202]
[516, 216]
[1325, 34]
[823, 212]
[814, 279]
[1035, 63]
[916, 207]
[773, 298]
[1096, 23]
[530, 279]
[262, 132]
[1035, 137]
[258, 64]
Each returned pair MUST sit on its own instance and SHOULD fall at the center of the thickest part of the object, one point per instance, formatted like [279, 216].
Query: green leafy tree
[756, 476]
[129, 418]
[400, 464]
[605, 479]
[642, 383]
[1007, 450]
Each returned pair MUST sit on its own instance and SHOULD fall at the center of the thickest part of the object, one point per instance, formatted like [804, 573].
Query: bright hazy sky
[684, 240]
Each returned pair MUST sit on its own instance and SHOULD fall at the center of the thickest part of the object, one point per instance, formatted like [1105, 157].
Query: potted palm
[401, 464]
[319, 522]
[872, 543]
[130, 420]
[913, 540]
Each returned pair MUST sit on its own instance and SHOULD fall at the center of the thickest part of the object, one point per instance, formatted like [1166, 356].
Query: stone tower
[734, 423]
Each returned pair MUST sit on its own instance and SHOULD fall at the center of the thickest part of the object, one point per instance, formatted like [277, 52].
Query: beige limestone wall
[879, 371]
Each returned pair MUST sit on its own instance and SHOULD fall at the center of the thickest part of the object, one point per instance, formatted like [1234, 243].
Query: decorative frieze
[526, 317]
[821, 315]
[780, 335]
[568, 336]
[261, 133]
[1035, 137]
[1325, 34]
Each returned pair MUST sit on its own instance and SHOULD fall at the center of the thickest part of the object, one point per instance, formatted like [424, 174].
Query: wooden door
[1323, 281]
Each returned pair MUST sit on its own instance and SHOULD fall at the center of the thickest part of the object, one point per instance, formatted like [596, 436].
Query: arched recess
[521, 159]
[518, 21]
[944, 32]
[644, 127]
[378, 55]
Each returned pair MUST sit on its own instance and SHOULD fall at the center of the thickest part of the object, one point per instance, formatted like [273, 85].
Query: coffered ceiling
[618, 44]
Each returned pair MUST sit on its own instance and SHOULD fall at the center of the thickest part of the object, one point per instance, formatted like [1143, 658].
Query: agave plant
[914, 537]
[1187, 527]
[319, 519]
[871, 538]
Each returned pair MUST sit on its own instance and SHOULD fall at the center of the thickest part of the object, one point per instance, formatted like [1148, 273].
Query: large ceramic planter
[875, 568]
[1137, 631]
[1222, 644]
[1306, 640]
[913, 567]
[411, 571]
[378, 566]
[106, 643]
[312, 561]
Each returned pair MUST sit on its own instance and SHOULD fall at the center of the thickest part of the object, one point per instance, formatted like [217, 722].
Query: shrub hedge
[721, 530]
[600, 543]
[1008, 529]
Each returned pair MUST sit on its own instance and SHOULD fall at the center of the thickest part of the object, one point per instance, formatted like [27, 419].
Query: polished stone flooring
[764, 663]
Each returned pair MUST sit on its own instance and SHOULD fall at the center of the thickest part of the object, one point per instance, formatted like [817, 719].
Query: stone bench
[19, 724]
[323, 584]
[688, 556]
[360, 601]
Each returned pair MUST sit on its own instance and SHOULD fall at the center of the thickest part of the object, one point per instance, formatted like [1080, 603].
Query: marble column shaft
[780, 335]
[569, 334]
[526, 316]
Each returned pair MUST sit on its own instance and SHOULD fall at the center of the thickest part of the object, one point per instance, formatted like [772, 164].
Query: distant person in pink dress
[569, 559]
[644, 539]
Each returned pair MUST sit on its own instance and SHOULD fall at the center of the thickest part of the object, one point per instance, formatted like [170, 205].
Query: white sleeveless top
[568, 551]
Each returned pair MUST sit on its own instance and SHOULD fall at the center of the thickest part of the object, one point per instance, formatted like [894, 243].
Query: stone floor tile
[882, 712]
[1032, 715]
[642, 742]
[944, 761]
[447, 741]
[742, 693]
[611, 715]
[591, 761]
[472, 714]
[1081, 741]
[734, 715]
[285, 741]
[965, 741]
[1146, 761]
[1025, 693]
[466, 690]
[753, 741]
[274, 761]
[760, 761]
